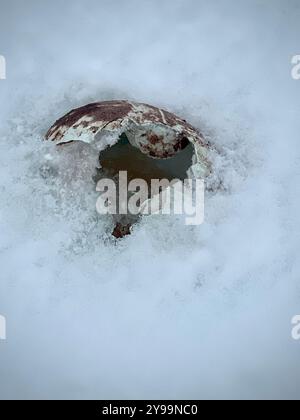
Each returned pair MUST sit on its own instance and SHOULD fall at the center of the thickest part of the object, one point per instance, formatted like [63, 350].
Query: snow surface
[171, 311]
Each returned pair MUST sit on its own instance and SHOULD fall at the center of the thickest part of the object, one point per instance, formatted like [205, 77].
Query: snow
[171, 311]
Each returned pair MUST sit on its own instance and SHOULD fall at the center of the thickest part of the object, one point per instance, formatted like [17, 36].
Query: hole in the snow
[125, 157]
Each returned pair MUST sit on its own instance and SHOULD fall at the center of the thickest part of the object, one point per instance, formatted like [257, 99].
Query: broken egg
[146, 141]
